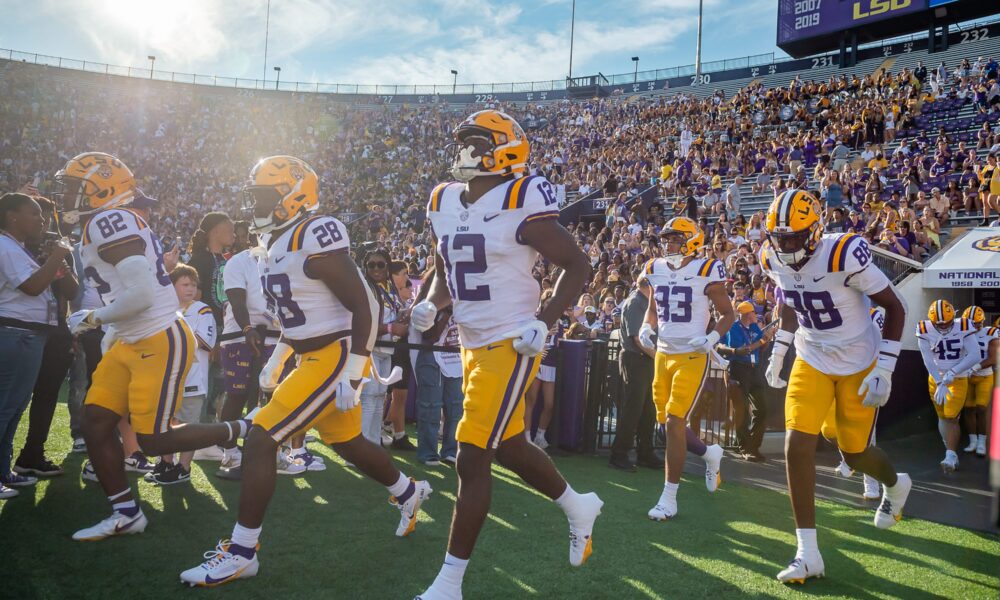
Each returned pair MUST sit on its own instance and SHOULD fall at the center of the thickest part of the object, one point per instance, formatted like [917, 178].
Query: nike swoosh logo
[209, 580]
[815, 279]
[147, 355]
[687, 278]
[119, 528]
[493, 346]
[489, 218]
[279, 259]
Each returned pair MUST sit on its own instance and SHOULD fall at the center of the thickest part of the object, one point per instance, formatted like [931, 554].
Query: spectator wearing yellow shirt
[879, 162]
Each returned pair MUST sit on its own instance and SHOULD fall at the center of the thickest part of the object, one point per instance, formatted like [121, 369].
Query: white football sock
[806, 539]
[670, 491]
[245, 536]
[540, 433]
[452, 572]
[400, 486]
[571, 502]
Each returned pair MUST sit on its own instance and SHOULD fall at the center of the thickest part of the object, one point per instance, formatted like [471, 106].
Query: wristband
[888, 352]
[355, 367]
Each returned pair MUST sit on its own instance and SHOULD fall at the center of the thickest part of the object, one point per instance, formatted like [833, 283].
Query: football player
[826, 282]
[950, 348]
[977, 399]
[683, 289]
[151, 347]
[327, 320]
[829, 429]
[489, 228]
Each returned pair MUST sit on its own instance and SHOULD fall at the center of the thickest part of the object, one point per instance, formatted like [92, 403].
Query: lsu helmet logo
[988, 244]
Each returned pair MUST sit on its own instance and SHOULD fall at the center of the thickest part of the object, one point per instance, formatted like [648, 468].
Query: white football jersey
[243, 271]
[201, 320]
[683, 309]
[488, 264]
[115, 227]
[984, 336]
[829, 294]
[305, 307]
[947, 349]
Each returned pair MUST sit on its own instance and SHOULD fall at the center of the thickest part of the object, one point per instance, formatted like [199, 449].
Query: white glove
[940, 395]
[348, 396]
[422, 315]
[109, 339]
[704, 343]
[82, 320]
[773, 372]
[271, 372]
[646, 333]
[947, 378]
[876, 387]
[529, 339]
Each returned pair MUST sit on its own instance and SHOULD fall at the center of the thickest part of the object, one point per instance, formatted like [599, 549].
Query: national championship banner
[971, 262]
[802, 19]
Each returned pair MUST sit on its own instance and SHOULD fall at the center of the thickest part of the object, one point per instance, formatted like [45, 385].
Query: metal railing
[417, 89]
[895, 267]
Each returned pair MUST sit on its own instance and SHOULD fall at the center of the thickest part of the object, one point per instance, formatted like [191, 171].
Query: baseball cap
[590, 309]
[744, 308]
[142, 201]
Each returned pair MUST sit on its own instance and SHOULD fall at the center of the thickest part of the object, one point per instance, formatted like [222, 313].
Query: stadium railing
[895, 267]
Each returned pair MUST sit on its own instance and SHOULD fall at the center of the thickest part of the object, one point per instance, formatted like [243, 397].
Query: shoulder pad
[434, 203]
[922, 327]
[318, 234]
[840, 250]
[111, 226]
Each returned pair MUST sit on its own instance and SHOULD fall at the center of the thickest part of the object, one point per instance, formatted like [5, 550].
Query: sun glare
[142, 14]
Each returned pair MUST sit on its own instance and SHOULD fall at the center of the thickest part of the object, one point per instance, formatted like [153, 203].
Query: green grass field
[330, 535]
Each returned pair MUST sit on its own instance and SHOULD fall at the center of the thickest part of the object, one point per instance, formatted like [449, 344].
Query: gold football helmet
[90, 182]
[976, 315]
[681, 237]
[281, 190]
[794, 226]
[489, 142]
[942, 315]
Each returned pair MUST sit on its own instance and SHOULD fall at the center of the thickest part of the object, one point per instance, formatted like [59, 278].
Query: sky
[390, 41]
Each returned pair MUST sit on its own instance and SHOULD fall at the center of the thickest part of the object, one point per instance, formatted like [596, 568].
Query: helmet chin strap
[675, 259]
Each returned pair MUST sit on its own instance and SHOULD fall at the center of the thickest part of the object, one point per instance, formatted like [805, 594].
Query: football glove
[422, 315]
[529, 339]
[646, 334]
[271, 372]
[782, 341]
[875, 387]
[347, 396]
[82, 320]
[947, 378]
[704, 343]
[940, 395]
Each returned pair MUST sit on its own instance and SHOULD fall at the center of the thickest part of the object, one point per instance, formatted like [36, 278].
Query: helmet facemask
[675, 247]
[794, 247]
[473, 150]
[262, 205]
[943, 327]
[70, 196]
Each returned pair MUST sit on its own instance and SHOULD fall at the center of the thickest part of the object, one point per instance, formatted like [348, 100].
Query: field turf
[330, 535]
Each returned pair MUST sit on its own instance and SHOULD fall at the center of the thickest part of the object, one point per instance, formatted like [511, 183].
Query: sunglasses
[379, 264]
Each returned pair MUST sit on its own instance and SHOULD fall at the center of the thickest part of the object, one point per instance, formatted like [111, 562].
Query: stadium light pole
[635, 76]
[267, 27]
[697, 49]
[277, 78]
[572, 26]
[152, 61]
[454, 80]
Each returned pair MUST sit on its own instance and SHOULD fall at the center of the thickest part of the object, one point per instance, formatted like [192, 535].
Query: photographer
[27, 316]
[741, 346]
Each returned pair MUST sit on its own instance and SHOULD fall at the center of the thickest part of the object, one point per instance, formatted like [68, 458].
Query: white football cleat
[116, 524]
[802, 568]
[844, 470]
[287, 465]
[973, 442]
[581, 530]
[665, 509]
[216, 453]
[408, 510]
[540, 441]
[311, 461]
[220, 567]
[713, 464]
[950, 462]
[872, 491]
[436, 592]
[890, 511]
[88, 473]
[232, 458]
[981, 445]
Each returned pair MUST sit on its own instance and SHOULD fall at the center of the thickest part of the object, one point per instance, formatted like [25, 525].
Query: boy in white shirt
[199, 318]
